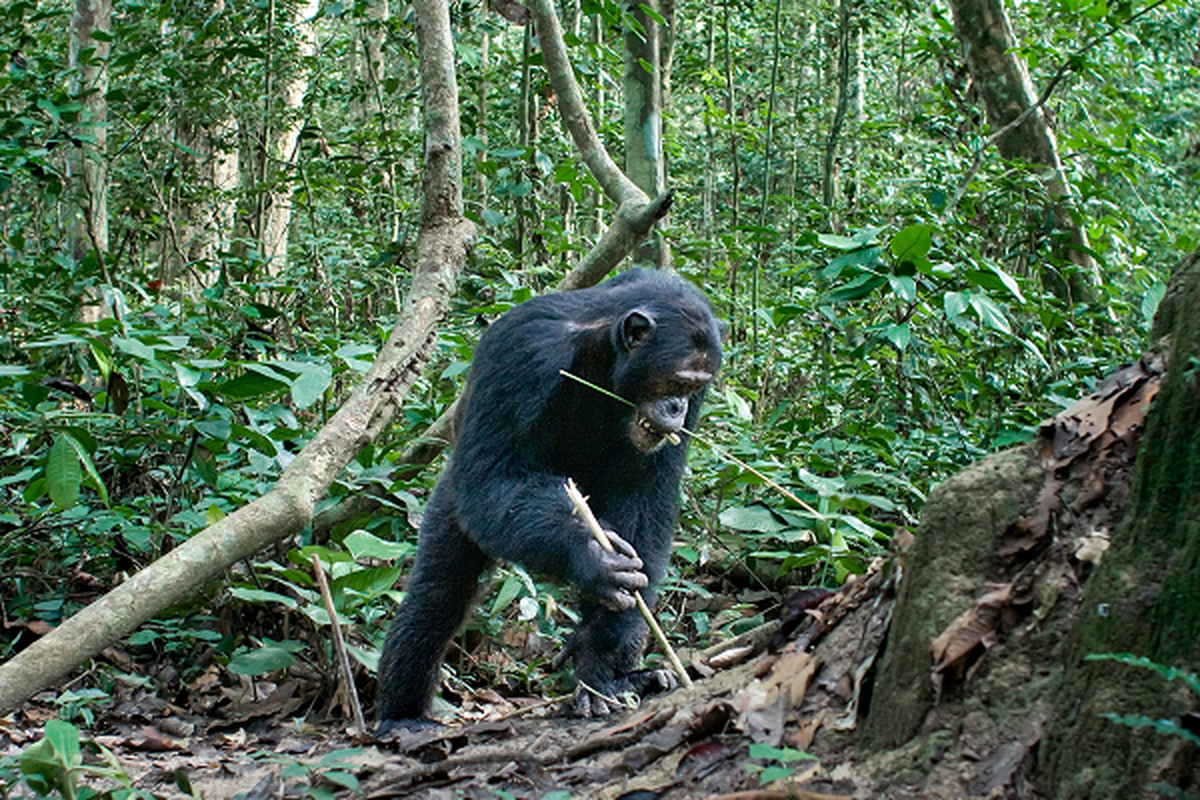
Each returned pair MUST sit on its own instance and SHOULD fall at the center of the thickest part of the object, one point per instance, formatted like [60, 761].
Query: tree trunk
[88, 164]
[1144, 597]
[1033, 558]
[206, 225]
[644, 162]
[282, 145]
[1003, 81]
[845, 91]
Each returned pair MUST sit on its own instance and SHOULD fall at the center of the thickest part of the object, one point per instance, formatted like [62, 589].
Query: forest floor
[778, 712]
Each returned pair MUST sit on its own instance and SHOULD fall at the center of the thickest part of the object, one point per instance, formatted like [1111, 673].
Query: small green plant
[54, 767]
[784, 756]
[1163, 726]
[80, 704]
[321, 780]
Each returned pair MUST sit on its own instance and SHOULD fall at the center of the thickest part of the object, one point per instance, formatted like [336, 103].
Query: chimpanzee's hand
[618, 573]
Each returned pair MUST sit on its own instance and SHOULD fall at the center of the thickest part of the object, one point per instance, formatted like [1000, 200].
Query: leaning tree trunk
[288, 507]
[1145, 596]
[1003, 81]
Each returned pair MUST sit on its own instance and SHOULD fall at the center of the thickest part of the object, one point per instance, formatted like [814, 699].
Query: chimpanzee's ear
[636, 325]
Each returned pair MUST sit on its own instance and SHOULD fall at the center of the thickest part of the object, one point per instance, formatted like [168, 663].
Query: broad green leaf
[912, 243]
[955, 303]
[63, 473]
[218, 428]
[989, 313]
[838, 242]
[1009, 282]
[363, 544]
[86, 459]
[369, 581]
[214, 514]
[858, 288]
[135, 347]
[311, 385]
[268, 658]
[263, 596]
[898, 334]
[250, 384]
[1150, 301]
[509, 591]
[757, 519]
[904, 287]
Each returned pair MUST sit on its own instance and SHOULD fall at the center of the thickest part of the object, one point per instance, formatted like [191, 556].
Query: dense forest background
[209, 214]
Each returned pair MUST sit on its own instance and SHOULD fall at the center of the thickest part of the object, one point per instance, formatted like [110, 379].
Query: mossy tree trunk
[1144, 597]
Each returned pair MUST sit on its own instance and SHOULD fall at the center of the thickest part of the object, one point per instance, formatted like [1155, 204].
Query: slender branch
[339, 646]
[615, 183]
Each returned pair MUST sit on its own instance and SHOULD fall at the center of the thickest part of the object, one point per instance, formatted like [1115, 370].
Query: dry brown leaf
[974, 627]
[1091, 548]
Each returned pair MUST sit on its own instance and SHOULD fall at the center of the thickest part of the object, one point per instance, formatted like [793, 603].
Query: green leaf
[248, 385]
[903, 287]
[858, 288]
[135, 348]
[268, 658]
[989, 313]
[63, 473]
[362, 544]
[955, 303]
[263, 596]
[757, 519]
[1009, 282]
[509, 591]
[1150, 301]
[86, 460]
[912, 243]
[311, 385]
[898, 335]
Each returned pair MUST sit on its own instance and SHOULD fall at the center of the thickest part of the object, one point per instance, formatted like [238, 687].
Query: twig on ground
[339, 647]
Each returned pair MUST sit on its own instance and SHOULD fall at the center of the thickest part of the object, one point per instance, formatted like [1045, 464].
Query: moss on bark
[1145, 596]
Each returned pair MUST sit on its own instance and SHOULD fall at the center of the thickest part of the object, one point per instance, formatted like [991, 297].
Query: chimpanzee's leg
[443, 586]
[607, 649]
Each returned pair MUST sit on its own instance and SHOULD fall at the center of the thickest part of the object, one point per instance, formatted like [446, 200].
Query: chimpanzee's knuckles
[622, 546]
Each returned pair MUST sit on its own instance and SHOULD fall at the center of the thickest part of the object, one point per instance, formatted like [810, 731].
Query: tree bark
[1145, 595]
[644, 163]
[1003, 81]
[282, 146]
[88, 164]
[441, 251]
[206, 227]
[845, 92]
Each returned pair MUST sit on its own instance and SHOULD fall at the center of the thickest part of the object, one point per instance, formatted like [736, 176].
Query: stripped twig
[589, 519]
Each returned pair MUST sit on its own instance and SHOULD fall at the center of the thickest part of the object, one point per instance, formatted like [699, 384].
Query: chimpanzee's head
[667, 351]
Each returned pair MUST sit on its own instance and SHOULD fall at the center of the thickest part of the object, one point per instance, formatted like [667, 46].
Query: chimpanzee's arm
[528, 519]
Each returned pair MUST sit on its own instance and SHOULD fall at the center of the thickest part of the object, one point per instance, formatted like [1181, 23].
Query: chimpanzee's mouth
[658, 433]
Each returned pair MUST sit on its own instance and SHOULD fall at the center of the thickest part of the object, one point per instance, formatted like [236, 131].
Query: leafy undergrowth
[778, 711]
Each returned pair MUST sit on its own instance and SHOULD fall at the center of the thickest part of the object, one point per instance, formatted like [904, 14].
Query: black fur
[523, 429]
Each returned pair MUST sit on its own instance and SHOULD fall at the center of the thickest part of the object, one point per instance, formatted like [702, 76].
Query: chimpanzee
[523, 429]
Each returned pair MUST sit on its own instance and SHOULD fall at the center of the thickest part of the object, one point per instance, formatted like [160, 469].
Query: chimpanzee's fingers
[615, 561]
[618, 600]
[621, 546]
